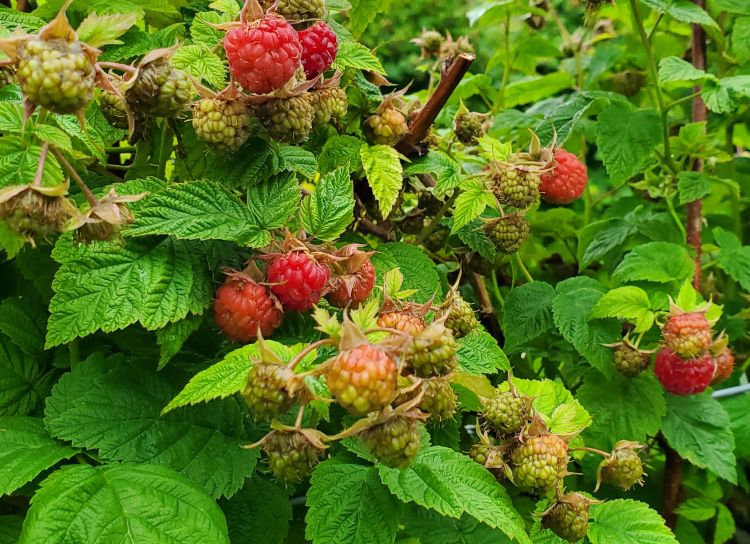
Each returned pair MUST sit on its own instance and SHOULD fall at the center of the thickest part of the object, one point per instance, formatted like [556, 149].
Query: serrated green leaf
[493, 149]
[10, 529]
[429, 526]
[697, 427]
[151, 285]
[725, 525]
[114, 406]
[340, 151]
[622, 521]
[348, 503]
[198, 210]
[299, 160]
[26, 451]
[385, 174]
[11, 117]
[452, 484]
[54, 136]
[534, 89]
[570, 309]
[200, 62]
[203, 33]
[145, 502]
[626, 140]
[660, 262]
[738, 408]
[417, 268]
[682, 10]
[327, 212]
[356, 55]
[734, 258]
[171, 337]
[623, 408]
[446, 170]
[18, 167]
[562, 413]
[478, 353]
[24, 321]
[675, 69]
[258, 514]
[470, 204]
[98, 30]
[697, 509]
[10, 240]
[629, 303]
[224, 378]
[364, 12]
[474, 237]
[272, 202]
[19, 375]
[527, 312]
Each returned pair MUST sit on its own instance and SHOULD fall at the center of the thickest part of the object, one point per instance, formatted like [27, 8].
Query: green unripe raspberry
[331, 103]
[508, 233]
[56, 74]
[539, 463]
[394, 443]
[288, 120]
[32, 214]
[506, 412]
[569, 517]
[222, 124]
[461, 319]
[297, 10]
[624, 468]
[291, 456]
[266, 391]
[629, 360]
[479, 452]
[432, 352]
[114, 109]
[439, 399]
[516, 186]
[469, 126]
[386, 127]
[160, 90]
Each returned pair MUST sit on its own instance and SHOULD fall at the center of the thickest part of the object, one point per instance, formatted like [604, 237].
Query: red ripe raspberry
[353, 288]
[363, 379]
[566, 181]
[298, 280]
[264, 55]
[683, 376]
[319, 48]
[242, 307]
[724, 366]
[688, 334]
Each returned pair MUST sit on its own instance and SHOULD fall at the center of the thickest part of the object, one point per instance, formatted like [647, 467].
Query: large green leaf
[20, 378]
[329, 209]
[199, 210]
[628, 522]
[623, 408]
[273, 201]
[429, 526]
[660, 262]
[478, 353]
[527, 312]
[555, 404]
[630, 303]
[114, 406]
[626, 140]
[734, 258]
[452, 484]
[103, 286]
[571, 308]
[417, 268]
[26, 449]
[127, 504]
[258, 514]
[348, 503]
[698, 428]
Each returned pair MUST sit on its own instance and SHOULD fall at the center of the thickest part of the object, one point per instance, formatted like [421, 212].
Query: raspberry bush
[320, 271]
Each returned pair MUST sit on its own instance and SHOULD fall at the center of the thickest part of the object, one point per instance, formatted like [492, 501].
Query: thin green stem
[675, 217]
[522, 267]
[496, 289]
[438, 216]
[653, 74]
[679, 101]
[165, 149]
[507, 64]
[121, 149]
[75, 354]
[656, 25]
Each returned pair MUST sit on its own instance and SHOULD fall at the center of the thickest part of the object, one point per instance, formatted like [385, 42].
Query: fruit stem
[165, 149]
[119, 66]
[300, 413]
[301, 355]
[590, 450]
[90, 198]
[40, 167]
[522, 267]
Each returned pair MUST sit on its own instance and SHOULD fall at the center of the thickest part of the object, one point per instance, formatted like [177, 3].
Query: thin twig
[40, 167]
[419, 128]
[485, 305]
